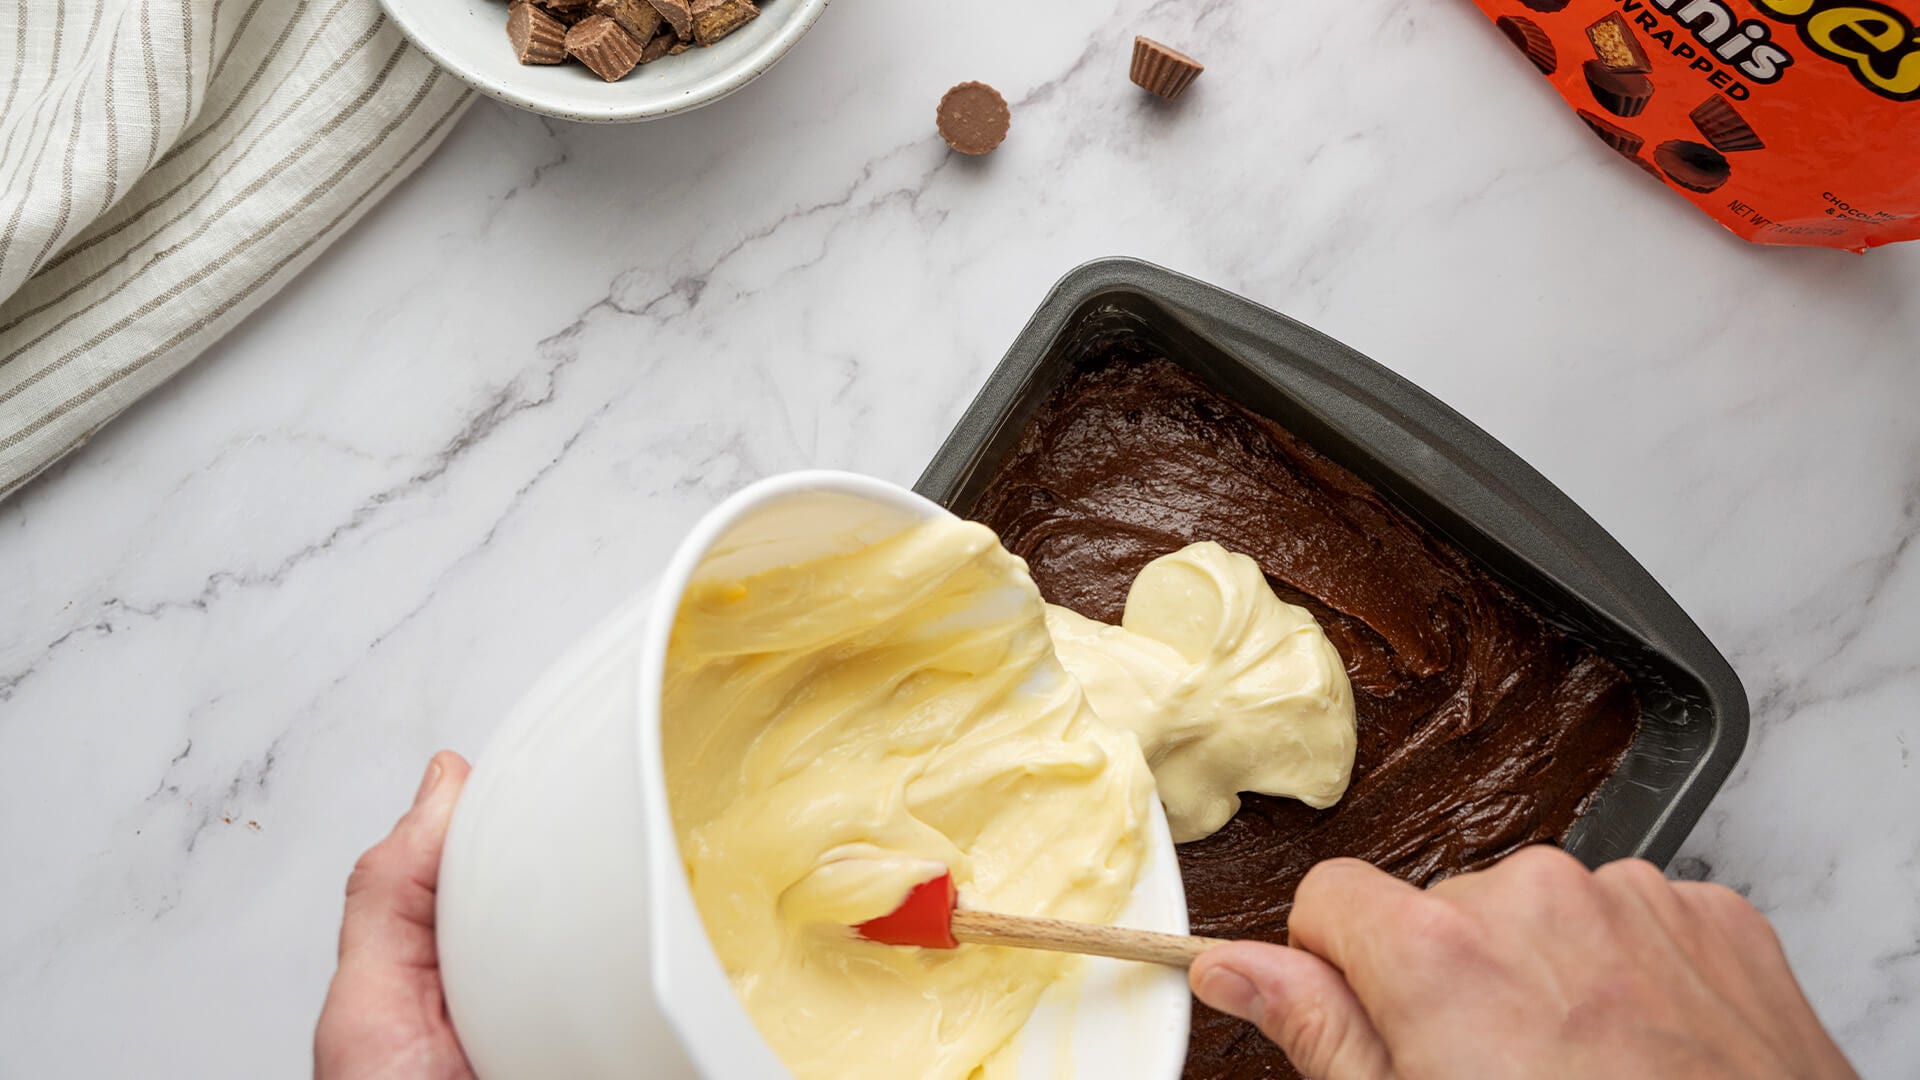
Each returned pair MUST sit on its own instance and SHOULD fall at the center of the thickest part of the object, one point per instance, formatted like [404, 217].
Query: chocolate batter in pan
[1481, 728]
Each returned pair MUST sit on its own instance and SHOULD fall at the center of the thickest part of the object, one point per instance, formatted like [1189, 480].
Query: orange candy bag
[1789, 121]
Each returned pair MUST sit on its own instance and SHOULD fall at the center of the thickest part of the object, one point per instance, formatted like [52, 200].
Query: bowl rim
[747, 67]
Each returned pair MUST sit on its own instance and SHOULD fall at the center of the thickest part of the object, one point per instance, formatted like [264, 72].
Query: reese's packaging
[1789, 121]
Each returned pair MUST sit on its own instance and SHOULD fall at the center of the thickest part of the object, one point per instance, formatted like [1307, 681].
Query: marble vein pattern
[233, 627]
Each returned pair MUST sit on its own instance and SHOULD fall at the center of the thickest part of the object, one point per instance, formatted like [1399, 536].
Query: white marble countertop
[237, 623]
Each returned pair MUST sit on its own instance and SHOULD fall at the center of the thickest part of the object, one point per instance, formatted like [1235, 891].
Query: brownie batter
[1481, 728]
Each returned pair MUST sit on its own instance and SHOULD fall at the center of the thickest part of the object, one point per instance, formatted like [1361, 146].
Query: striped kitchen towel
[165, 166]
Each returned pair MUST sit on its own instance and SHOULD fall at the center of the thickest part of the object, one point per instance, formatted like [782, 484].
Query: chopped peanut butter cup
[715, 19]
[662, 43]
[638, 18]
[679, 15]
[568, 12]
[599, 43]
[537, 37]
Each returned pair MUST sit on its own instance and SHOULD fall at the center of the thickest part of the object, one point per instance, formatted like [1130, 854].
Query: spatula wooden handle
[1059, 935]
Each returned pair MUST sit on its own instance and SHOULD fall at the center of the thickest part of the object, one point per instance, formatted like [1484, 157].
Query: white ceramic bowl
[469, 39]
[569, 941]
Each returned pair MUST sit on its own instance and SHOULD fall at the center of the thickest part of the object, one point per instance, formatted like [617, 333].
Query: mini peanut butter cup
[973, 118]
[607, 50]
[1724, 127]
[1622, 140]
[1161, 70]
[1694, 166]
[1622, 93]
[537, 37]
[1527, 36]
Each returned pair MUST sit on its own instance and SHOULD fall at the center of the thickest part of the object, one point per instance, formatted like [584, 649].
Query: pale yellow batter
[1228, 687]
[833, 732]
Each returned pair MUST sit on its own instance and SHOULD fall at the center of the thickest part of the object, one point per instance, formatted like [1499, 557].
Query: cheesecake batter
[835, 732]
[1481, 728]
[1228, 687]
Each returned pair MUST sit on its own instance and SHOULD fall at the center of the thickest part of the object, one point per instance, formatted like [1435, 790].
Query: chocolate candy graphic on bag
[1622, 140]
[1694, 166]
[1527, 36]
[1622, 93]
[1617, 47]
[1723, 125]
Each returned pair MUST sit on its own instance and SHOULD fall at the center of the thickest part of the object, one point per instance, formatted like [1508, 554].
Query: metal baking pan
[1437, 466]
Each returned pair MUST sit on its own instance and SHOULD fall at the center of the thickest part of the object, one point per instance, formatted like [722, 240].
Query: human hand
[385, 1016]
[1534, 967]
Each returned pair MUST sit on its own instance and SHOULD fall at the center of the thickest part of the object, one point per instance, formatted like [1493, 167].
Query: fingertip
[424, 826]
[446, 774]
[1202, 964]
[1220, 986]
[1258, 962]
[450, 772]
[429, 781]
[1334, 904]
[453, 768]
[1339, 879]
[1297, 1000]
[390, 894]
[1336, 872]
[1243, 978]
[1343, 864]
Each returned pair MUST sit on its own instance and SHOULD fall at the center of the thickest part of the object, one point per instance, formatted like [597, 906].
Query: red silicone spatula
[929, 918]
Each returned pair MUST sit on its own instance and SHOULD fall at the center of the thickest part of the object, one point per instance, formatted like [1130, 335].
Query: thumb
[390, 895]
[1300, 1002]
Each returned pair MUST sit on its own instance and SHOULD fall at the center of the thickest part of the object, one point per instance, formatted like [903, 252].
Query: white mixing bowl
[569, 941]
